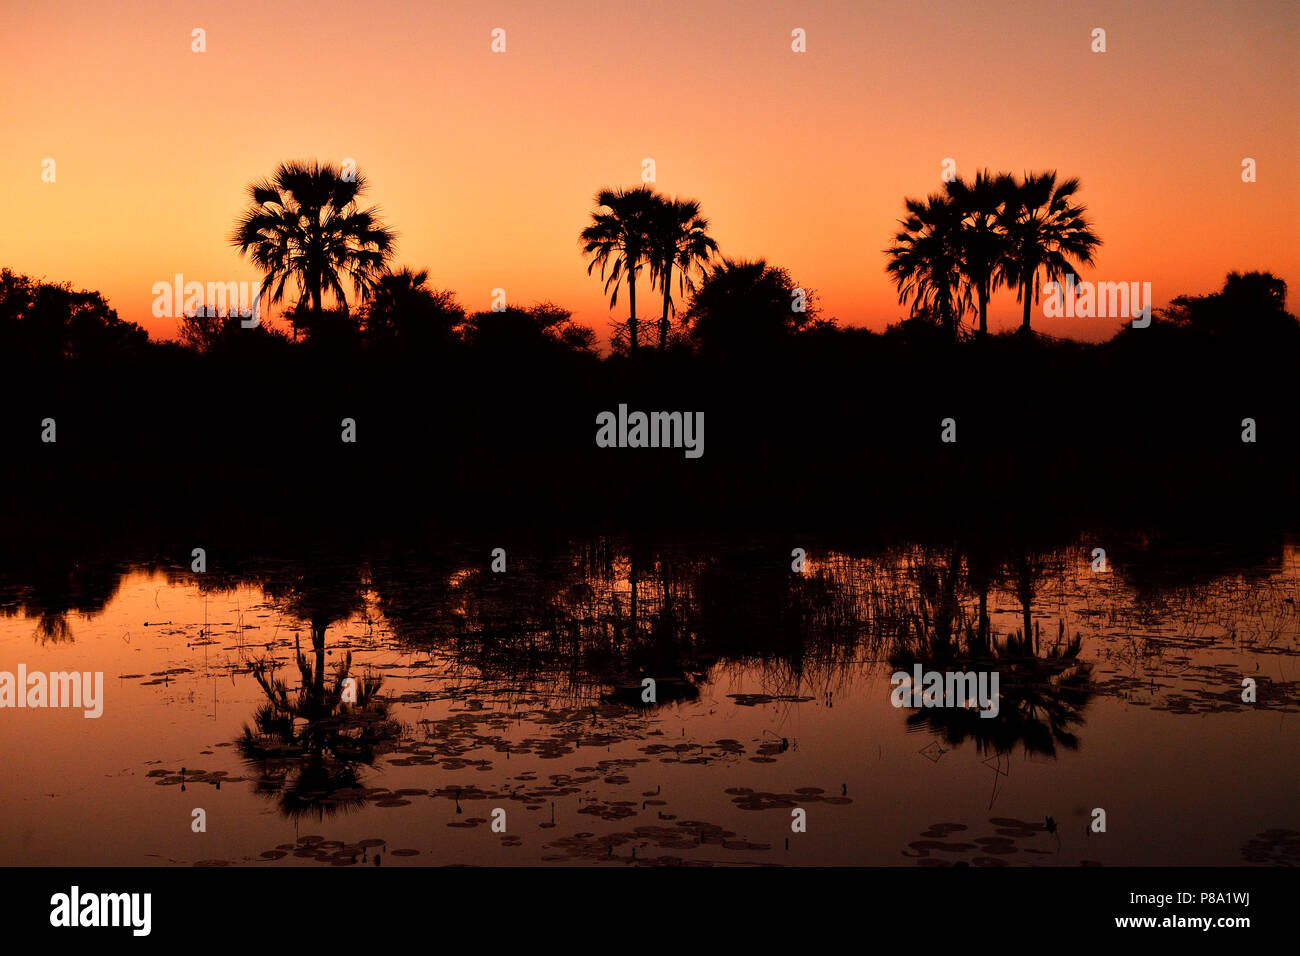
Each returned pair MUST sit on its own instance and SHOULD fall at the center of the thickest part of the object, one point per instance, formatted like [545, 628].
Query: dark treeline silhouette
[497, 410]
[494, 412]
[45, 321]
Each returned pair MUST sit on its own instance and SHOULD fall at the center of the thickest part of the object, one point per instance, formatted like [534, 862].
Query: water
[521, 692]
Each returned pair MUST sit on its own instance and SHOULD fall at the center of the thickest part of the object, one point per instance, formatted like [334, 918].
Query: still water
[499, 717]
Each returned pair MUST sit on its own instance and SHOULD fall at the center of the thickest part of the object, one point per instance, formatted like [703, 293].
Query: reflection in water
[1043, 686]
[990, 844]
[1279, 847]
[308, 745]
[524, 691]
[51, 582]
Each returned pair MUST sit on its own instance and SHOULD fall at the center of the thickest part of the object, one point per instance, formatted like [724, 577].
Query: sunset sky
[486, 163]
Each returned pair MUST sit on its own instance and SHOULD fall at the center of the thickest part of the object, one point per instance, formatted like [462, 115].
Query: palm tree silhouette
[679, 237]
[1044, 231]
[304, 223]
[618, 240]
[925, 261]
[982, 242]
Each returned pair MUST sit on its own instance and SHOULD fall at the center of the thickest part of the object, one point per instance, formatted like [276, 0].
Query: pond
[405, 704]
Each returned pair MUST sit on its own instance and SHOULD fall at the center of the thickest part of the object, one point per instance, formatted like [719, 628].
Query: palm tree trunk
[984, 310]
[314, 330]
[1028, 295]
[631, 320]
[666, 278]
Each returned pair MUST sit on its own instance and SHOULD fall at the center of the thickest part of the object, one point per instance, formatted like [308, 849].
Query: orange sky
[486, 163]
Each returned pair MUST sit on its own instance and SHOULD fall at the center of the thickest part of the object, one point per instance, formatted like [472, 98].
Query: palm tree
[982, 243]
[618, 240]
[679, 237]
[1045, 230]
[925, 261]
[304, 223]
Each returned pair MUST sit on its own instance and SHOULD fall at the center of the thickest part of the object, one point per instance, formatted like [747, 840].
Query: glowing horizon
[486, 163]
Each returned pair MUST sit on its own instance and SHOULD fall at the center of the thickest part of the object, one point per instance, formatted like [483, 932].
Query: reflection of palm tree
[679, 238]
[304, 224]
[309, 743]
[1041, 698]
[1027, 573]
[980, 571]
[1045, 230]
[925, 261]
[618, 240]
[1042, 694]
[56, 582]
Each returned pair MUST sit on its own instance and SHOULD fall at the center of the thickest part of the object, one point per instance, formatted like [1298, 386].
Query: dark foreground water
[499, 717]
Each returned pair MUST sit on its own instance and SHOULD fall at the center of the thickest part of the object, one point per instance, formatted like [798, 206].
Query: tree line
[306, 230]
